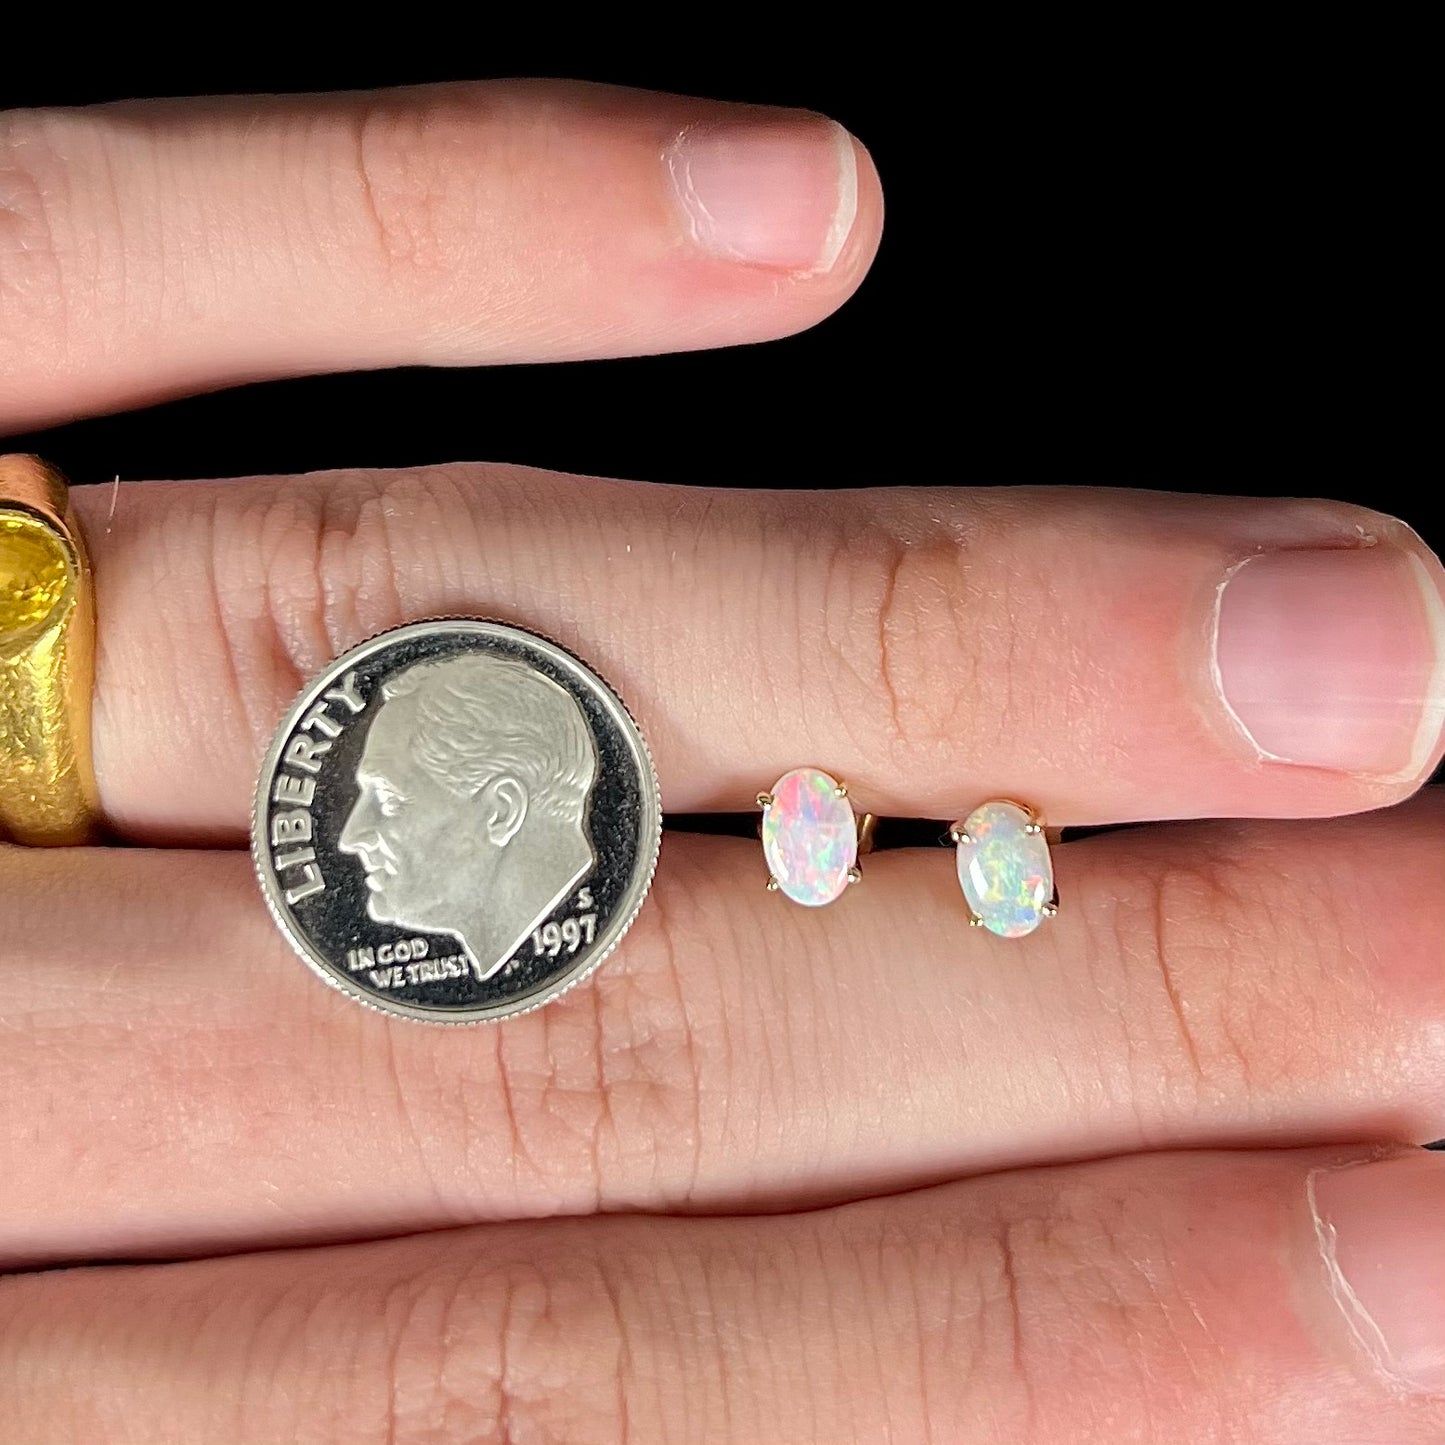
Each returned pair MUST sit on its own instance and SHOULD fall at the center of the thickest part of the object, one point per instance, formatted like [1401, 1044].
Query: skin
[1056, 1189]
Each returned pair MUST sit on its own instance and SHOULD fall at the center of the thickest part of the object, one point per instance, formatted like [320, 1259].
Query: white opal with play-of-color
[810, 837]
[1005, 869]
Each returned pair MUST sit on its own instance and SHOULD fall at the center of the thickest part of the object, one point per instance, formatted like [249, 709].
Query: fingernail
[771, 193]
[1335, 659]
[1381, 1229]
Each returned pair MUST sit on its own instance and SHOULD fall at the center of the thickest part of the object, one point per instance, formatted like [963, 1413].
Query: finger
[1103, 655]
[177, 1082]
[1291, 1297]
[174, 246]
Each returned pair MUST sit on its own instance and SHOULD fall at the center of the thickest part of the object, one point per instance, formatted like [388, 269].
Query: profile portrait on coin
[474, 787]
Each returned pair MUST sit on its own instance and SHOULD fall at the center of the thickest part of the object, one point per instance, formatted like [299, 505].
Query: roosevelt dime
[456, 821]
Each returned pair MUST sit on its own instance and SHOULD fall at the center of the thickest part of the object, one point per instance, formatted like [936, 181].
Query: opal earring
[1005, 868]
[812, 837]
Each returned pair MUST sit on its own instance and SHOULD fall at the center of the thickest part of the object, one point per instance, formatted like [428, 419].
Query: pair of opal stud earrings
[812, 839]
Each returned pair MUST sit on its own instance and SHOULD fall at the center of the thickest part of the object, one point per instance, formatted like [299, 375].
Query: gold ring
[47, 661]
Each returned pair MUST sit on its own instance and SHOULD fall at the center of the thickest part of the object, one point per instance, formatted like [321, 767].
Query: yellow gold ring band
[47, 661]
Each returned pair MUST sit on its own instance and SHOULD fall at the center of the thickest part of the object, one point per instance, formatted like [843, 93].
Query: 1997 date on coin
[571, 933]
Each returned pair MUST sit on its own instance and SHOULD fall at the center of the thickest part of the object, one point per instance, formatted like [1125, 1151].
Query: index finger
[155, 248]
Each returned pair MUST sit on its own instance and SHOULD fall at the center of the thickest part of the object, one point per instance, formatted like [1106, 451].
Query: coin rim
[633, 896]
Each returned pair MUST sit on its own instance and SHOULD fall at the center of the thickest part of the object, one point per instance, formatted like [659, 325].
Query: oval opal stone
[810, 837]
[1006, 871]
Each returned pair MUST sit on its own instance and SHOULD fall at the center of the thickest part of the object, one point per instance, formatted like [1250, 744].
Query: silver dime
[456, 821]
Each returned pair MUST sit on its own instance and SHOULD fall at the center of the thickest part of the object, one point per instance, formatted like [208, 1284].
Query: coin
[456, 821]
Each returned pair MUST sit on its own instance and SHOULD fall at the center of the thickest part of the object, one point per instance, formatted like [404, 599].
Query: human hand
[821, 1167]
